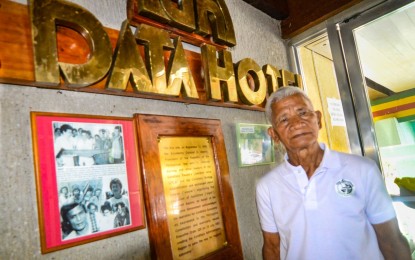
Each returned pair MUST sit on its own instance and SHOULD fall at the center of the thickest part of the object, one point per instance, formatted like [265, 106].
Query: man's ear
[273, 134]
[318, 114]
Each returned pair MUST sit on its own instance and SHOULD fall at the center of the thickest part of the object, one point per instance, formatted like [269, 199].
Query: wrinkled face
[77, 218]
[295, 123]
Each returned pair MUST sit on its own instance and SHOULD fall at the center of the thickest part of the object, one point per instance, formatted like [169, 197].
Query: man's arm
[271, 247]
[391, 241]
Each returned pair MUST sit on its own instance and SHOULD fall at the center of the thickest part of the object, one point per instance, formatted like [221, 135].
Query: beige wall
[257, 37]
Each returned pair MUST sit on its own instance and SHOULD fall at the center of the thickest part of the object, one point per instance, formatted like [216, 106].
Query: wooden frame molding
[152, 130]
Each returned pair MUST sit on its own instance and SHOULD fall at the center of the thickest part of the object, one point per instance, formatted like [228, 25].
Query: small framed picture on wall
[255, 146]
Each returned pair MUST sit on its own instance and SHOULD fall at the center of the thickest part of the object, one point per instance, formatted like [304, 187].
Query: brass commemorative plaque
[192, 196]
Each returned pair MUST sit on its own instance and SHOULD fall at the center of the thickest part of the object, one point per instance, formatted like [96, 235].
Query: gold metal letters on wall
[179, 14]
[128, 64]
[214, 19]
[210, 18]
[251, 96]
[45, 15]
[152, 60]
[219, 74]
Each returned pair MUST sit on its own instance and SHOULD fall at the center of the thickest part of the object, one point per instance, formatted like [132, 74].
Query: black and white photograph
[93, 206]
[88, 178]
[85, 144]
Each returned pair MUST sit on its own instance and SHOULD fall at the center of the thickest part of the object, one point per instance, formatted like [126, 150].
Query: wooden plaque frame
[150, 129]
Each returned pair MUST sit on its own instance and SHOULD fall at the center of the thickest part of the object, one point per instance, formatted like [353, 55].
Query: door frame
[343, 43]
[350, 81]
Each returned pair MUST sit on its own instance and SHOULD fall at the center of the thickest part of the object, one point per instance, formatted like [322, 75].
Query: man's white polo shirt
[329, 216]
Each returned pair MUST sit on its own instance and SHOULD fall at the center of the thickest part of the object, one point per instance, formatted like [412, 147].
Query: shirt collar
[330, 160]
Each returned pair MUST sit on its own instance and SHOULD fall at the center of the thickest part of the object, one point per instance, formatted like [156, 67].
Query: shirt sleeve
[379, 207]
[265, 212]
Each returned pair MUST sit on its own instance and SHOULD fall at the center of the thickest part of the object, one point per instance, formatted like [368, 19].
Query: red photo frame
[87, 178]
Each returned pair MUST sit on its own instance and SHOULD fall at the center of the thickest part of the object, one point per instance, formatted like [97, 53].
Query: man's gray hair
[282, 93]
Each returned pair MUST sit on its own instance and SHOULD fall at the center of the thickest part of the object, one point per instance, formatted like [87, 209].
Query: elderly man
[319, 203]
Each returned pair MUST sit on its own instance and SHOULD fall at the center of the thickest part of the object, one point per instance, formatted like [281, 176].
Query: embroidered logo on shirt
[344, 188]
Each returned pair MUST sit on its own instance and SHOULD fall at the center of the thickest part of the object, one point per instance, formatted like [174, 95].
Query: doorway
[371, 57]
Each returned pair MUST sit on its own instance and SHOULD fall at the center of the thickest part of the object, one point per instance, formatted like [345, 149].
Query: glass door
[315, 63]
[376, 49]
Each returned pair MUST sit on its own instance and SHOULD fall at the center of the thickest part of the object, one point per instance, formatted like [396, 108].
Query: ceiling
[297, 16]
[277, 9]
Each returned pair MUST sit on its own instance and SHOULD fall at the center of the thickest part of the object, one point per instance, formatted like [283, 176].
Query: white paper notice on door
[336, 112]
